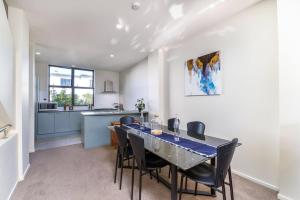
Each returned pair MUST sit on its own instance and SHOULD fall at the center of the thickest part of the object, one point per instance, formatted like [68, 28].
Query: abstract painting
[203, 75]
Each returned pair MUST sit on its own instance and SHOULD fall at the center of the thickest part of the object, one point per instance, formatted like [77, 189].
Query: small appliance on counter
[47, 106]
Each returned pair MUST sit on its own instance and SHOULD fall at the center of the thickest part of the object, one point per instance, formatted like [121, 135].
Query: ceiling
[84, 33]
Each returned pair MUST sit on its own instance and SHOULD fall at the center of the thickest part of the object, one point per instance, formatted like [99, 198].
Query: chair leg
[185, 183]
[169, 172]
[150, 174]
[140, 188]
[121, 174]
[132, 178]
[196, 188]
[223, 191]
[128, 161]
[230, 183]
[157, 175]
[116, 167]
[180, 190]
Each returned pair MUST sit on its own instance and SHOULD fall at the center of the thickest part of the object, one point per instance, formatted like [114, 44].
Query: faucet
[4, 129]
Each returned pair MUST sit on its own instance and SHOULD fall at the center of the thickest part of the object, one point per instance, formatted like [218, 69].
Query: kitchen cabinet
[62, 122]
[75, 121]
[45, 123]
[58, 123]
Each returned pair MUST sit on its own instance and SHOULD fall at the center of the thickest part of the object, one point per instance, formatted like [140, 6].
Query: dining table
[185, 153]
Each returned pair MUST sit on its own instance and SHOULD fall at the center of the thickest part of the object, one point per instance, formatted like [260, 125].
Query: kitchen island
[94, 124]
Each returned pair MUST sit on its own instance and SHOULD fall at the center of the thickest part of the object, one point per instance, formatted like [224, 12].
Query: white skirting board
[255, 180]
[282, 197]
[15, 186]
[12, 191]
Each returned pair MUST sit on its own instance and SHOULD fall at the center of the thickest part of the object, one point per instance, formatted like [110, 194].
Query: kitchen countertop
[84, 110]
[99, 113]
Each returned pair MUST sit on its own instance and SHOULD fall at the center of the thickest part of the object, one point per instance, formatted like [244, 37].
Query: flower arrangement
[140, 105]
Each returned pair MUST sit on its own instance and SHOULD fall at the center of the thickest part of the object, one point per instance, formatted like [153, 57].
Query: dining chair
[171, 127]
[124, 152]
[214, 176]
[171, 123]
[126, 120]
[195, 129]
[146, 162]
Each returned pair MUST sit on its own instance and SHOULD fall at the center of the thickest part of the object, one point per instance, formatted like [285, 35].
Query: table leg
[174, 182]
[213, 163]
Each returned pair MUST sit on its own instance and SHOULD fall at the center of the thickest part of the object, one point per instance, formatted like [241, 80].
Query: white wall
[134, 85]
[289, 97]
[106, 100]
[20, 31]
[149, 80]
[8, 165]
[8, 147]
[7, 102]
[41, 72]
[32, 97]
[248, 108]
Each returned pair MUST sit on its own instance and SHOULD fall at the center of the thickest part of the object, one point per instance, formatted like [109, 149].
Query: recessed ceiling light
[37, 53]
[148, 26]
[135, 5]
[120, 24]
[176, 11]
[112, 55]
[126, 28]
[114, 41]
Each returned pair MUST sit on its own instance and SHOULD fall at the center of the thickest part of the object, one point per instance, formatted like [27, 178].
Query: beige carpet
[72, 173]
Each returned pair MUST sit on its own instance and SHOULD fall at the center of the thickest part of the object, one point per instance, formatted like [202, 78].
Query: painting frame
[203, 75]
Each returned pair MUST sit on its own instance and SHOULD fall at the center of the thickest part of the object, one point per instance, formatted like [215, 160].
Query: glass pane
[60, 76]
[61, 96]
[83, 96]
[83, 78]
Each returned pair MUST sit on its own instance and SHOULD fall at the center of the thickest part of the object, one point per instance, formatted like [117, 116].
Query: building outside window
[71, 86]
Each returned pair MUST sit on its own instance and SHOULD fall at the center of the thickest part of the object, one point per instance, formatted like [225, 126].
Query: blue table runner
[196, 147]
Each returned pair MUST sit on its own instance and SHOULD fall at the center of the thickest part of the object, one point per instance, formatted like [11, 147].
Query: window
[71, 86]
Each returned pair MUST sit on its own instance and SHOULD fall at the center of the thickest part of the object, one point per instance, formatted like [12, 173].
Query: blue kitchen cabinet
[75, 120]
[62, 122]
[45, 123]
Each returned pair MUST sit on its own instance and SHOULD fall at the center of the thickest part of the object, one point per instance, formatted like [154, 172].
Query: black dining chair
[196, 129]
[171, 123]
[124, 152]
[126, 120]
[214, 176]
[146, 162]
[171, 127]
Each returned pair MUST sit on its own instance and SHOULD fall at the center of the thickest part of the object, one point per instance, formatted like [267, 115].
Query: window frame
[72, 87]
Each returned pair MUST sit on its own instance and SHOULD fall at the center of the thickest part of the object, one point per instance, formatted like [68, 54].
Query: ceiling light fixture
[127, 28]
[37, 53]
[120, 24]
[112, 55]
[148, 26]
[135, 5]
[176, 11]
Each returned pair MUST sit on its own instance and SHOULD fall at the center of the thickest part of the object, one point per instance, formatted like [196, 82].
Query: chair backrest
[224, 157]
[138, 147]
[122, 137]
[171, 123]
[195, 129]
[126, 120]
